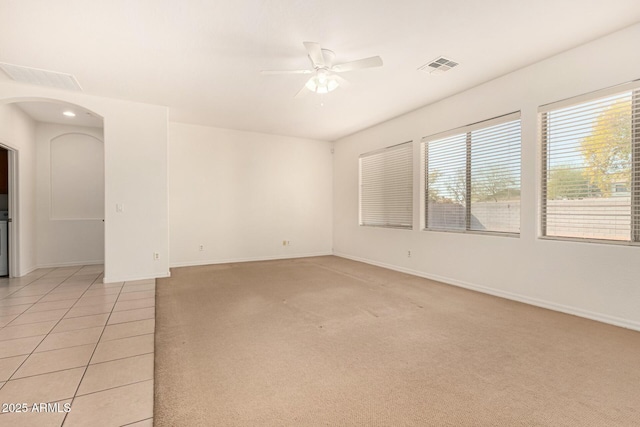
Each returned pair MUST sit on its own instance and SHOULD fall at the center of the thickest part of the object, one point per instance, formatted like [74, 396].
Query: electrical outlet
[156, 256]
[201, 247]
[284, 243]
[288, 243]
[408, 254]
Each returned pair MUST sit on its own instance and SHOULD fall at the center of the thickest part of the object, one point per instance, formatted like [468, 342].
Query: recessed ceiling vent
[439, 65]
[35, 76]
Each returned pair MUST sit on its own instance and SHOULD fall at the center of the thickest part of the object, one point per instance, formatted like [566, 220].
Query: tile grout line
[44, 275]
[51, 290]
[75, 394]
[139, 421]
[130, 336]
[112, 388]
[80, 366]
[8, 296]
[47, 334]
[33, 351]
[118, 295]
[22, 287]
[72, 330]
[122, 358]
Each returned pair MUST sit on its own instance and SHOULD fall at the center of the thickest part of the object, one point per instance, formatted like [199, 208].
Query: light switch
[119, 207]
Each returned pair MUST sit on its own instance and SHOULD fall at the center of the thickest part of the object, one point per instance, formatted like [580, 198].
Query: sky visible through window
[571, 137]
[588, 169]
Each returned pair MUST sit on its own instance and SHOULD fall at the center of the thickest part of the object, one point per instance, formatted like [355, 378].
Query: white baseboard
[116, 279]
[26, 271]
[246, 259]
[600, 317]
[56, 265]
[70, 264]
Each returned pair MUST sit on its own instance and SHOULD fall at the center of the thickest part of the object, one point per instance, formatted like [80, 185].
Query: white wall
[17, 131]
[240, 194]
[77, 239]
[599, 281]
[135, 138]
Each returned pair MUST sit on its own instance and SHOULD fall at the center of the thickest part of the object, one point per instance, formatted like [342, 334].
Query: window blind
[447, 183]
[591, 167]
[472, 178]
[386, 187]
[495, 178]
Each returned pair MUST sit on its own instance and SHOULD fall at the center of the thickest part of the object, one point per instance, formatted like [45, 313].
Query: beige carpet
[331, 342]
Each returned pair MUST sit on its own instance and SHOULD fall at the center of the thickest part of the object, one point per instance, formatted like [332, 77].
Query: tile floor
[67, 338]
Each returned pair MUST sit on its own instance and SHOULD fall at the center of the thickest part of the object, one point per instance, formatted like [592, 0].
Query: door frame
[13, 209]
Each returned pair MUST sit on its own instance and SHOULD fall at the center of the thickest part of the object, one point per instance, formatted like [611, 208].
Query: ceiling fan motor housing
[329, 56]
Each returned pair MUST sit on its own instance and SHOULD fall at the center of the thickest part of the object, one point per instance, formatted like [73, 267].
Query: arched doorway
[56, 208]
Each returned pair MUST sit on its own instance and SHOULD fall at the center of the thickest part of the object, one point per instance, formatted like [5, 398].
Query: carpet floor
[326, 341]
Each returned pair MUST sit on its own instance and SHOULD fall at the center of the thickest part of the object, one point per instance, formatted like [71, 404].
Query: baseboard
[70, 264]
[117, 279]
[246, 259]
[56, 265]
[604, 318]
[26, 271]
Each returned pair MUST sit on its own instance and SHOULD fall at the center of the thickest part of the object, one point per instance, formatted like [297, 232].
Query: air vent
[438, 65]
[35, 76]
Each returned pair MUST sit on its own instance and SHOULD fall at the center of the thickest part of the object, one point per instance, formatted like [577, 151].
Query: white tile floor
[67, 338]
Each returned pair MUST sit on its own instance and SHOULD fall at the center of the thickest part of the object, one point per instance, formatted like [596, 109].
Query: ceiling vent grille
[39, 77]
[438, 65]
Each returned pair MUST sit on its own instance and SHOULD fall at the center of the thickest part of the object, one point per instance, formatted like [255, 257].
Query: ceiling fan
[325, 73]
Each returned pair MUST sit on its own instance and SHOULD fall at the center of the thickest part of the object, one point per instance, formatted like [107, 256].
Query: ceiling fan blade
[315, 54]
[374, 61]
[270, 72]
[344, 83]
[302, 92]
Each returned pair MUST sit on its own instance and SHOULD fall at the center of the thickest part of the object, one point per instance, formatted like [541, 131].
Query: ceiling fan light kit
[325, 78]
[322, 83]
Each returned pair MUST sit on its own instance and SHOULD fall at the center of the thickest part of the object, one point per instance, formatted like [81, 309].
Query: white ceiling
[51, 112]
[202, 59]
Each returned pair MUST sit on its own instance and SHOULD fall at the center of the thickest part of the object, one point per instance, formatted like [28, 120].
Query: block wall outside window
[591, 166]
[472, 177]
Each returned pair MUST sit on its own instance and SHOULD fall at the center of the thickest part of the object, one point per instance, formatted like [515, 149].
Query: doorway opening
[4, 212]
[66, 173]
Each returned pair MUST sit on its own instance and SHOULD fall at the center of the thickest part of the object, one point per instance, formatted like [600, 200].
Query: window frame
[460, 131]
[634, 88]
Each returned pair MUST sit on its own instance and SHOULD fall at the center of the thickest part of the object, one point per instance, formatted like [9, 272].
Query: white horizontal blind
[591, 169]
[495, 178]
[386, 187]
[446, 181]
[473, 177]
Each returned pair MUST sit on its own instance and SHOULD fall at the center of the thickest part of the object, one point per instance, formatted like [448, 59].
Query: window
[472, 177]
[591, 166]
[386, 187]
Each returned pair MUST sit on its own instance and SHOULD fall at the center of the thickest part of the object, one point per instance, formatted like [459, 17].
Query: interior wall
[78, 238]
[135, 138]
[17, 131]
[594, 280]
[241, 194]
